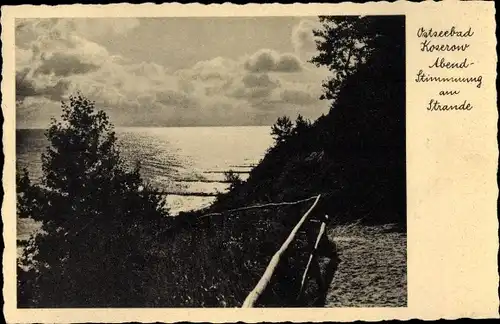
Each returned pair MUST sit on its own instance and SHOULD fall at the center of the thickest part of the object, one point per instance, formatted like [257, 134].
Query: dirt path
[372, 269]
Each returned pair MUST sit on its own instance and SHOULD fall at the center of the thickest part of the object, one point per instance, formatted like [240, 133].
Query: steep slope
[355, 154]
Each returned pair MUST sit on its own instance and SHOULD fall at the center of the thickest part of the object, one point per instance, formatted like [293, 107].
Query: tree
[365, 128]
[301, 124]
[343, 43]
[369, 84]
[97, 216]
[282, 129]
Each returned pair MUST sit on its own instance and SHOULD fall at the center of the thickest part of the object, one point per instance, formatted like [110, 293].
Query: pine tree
[343, 44]
[97, 216]
[282, 129]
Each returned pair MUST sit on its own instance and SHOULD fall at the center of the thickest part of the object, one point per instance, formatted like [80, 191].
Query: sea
[181, 161]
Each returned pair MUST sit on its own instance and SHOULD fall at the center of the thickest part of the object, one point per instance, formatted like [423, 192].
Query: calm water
[184, 159]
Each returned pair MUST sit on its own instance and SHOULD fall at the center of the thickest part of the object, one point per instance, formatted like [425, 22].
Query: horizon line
[190, 126]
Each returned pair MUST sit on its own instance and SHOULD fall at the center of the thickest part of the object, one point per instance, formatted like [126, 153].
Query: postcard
[224, 163]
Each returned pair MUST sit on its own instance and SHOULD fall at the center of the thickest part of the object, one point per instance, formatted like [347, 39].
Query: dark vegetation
[109, 242]
[356, 153]
[96, 216]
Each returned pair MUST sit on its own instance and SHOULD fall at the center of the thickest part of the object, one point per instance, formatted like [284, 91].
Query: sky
[169, 71]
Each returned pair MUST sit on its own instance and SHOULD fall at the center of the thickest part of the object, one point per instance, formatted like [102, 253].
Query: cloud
[177, 99]
[26, 87]
[42, 39]
[57, 58]
[288, 63]
[91, 27]
[253, 87]
[297, 97]
[251, 93]
[259, 81]
[145, 69]
[24, 57]
[55, 92]
[216, 68]
[267, 60]
[61, 64]
[36, 112]
[303, 39]
[29, 29]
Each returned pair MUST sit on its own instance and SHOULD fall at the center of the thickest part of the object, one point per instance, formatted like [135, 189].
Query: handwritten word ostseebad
[452, 32]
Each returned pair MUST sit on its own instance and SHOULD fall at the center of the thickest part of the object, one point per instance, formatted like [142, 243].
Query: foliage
[343, 44]
[282, 129]
[285, 131]
[233, 178]
[224, 256]
[301, 125]
[96, 215]
[355, 153]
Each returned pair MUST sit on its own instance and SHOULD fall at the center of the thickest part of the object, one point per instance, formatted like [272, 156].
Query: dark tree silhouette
[282, 129]
[301, 124]
[365, 128]
[97, 216]
[233, 179]
[357, 150]
[343, 44]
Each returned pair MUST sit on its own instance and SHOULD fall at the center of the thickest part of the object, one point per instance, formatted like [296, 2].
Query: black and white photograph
[211, 162]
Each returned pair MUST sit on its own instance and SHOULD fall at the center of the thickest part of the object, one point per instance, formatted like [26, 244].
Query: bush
[233, 178]
[97, 217]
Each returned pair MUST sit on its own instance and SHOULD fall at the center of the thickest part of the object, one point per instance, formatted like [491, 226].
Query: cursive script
[447, 43]
[436, 105]
[452, 32]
